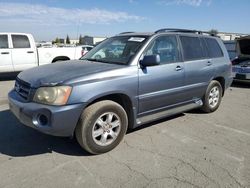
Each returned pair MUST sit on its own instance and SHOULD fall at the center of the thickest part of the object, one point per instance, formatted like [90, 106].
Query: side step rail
[169, 112]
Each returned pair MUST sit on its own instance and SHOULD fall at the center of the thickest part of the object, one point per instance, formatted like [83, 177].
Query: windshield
[120, 49]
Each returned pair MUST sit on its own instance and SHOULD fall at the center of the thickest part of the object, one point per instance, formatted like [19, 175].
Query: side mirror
[150, 60]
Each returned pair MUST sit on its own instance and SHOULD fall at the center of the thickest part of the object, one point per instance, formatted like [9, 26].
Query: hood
[57, 73]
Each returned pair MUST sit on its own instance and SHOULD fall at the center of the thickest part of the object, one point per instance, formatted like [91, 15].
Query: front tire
[212, 98]
[101, 127]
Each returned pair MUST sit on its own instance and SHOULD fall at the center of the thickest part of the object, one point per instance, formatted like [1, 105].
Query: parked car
[18, 52]
[231, 48]
[241, 64]
[86, 48]
[156, 75]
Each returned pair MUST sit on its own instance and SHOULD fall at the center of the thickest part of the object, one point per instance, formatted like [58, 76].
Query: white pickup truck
[18, 52]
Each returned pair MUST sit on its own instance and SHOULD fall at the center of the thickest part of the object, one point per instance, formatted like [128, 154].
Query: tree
[213, 32]
[80, 39]
[56, 41]
[67, 40]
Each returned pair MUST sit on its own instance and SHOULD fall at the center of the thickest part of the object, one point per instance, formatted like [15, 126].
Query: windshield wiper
[97, 60]
[103, 61]
[90, 59]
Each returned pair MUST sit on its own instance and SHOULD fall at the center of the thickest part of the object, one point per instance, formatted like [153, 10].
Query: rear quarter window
[192, 48]
[214, 49]
[20, 41]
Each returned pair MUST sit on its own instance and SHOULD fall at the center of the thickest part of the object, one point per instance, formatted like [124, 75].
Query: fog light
[42, 120]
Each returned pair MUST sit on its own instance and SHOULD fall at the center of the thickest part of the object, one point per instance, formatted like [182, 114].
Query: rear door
[216, 57]
[160, 86]
[5, 54]
[24, 53]
[199, 69]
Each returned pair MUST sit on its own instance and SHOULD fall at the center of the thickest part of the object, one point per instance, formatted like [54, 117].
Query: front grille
[22, 88]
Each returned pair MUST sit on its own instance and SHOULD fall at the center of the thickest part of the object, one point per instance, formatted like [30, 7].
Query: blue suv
[105, 93]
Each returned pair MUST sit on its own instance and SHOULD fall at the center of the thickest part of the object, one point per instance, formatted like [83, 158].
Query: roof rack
[179, 30]
[126, 32]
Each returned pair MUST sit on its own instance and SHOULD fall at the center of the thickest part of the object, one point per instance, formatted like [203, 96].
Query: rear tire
[212, 98]
[101, 127]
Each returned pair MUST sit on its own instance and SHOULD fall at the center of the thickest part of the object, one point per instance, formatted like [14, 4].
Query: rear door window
[192, 48]
[204, 47]
[20, 41]
[214, 49]
[4, 41]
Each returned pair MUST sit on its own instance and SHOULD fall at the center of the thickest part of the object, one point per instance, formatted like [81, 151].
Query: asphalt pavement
[192, 149]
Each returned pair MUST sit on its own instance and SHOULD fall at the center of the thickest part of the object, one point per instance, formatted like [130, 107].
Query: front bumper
[53, 120]
[241, 73]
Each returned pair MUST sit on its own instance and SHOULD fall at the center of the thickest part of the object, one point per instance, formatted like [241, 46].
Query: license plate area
[240, 76]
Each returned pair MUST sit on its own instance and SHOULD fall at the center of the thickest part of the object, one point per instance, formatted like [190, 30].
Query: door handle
[5, 52]
[209, 63]
[30, 52]
[178, 68]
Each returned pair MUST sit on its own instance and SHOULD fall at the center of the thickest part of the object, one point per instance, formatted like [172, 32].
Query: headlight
[52, 95]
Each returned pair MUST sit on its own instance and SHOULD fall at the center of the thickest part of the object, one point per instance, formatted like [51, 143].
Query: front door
[160, 85]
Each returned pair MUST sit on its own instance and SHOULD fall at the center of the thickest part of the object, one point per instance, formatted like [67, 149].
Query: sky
[48, 19]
